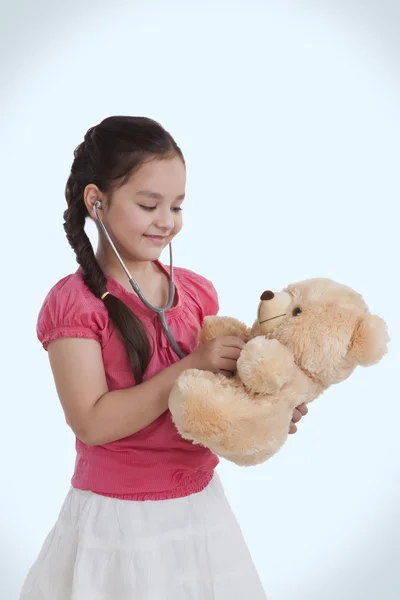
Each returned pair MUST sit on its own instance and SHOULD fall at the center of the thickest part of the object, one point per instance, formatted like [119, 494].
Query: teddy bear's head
[326, 325]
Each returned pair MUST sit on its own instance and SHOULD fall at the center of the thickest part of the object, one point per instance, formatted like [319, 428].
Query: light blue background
[289, 117]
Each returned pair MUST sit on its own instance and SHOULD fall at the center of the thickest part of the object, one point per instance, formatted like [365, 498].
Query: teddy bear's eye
[296, 311]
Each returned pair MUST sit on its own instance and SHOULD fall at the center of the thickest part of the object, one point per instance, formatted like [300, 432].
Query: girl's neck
[110, 265]
[152, 280]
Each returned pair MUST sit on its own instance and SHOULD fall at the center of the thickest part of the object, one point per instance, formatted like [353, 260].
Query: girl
[146, 517]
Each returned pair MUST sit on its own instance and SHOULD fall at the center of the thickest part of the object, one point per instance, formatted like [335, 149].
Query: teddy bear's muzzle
[272, 310]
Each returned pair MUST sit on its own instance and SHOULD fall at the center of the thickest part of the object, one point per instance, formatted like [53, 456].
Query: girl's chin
[145, 250]
[148, 251]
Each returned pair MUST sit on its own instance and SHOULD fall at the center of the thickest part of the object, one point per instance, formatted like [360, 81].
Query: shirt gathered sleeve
[202, 294]
[209, 299]
[70, 311]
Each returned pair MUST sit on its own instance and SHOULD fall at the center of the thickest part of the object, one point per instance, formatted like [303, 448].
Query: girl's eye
[176, 209]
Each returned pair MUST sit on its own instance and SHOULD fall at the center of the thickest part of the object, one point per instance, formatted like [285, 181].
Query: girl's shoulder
[70, 309]
[71, 292]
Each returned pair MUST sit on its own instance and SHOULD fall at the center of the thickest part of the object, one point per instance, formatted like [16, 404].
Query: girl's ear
[91, 195]
[369, 342]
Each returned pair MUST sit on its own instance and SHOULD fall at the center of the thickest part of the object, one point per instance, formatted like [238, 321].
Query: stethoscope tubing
[171, 291]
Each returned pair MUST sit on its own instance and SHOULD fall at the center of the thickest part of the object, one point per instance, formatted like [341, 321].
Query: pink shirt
[156, 463]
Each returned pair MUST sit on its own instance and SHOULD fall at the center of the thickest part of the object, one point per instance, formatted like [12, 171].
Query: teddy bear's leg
[218, 413]
[214, 327]
[200, 404]
[265, 366]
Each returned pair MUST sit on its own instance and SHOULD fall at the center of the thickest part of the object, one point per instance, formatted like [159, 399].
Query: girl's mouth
[156, 239]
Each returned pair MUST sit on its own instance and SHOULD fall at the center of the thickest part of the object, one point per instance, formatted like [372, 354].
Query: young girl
[146, 517]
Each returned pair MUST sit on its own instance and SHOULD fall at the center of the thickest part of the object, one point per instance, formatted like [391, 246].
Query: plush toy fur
[306, 338]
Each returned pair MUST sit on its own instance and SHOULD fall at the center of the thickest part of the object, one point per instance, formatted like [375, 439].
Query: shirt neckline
[114, 285]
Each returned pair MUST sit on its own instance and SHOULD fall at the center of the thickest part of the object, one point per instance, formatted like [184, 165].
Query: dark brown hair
[110, 153]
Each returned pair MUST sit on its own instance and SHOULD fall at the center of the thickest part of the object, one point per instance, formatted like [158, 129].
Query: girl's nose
[165, 219]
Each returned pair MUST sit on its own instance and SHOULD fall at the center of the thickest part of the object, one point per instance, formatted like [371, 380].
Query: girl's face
[145, 214]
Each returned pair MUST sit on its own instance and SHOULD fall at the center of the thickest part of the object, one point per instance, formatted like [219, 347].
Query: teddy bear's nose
[268, 295]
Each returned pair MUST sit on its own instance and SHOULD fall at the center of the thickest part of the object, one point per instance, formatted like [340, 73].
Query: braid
[127, 324]
[74, 226]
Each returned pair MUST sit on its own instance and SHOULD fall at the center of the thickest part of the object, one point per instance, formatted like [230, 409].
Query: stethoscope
[171, 292]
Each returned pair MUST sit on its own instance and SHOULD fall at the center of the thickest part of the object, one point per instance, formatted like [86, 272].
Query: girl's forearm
[121, 413]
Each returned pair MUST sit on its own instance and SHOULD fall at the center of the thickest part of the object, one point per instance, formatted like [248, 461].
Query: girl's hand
[219, 355]
[298, 414]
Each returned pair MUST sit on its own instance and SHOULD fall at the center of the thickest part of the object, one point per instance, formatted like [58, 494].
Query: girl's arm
[98, 416]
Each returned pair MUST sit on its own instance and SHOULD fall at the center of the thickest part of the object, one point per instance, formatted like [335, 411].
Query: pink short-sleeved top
[155, 463]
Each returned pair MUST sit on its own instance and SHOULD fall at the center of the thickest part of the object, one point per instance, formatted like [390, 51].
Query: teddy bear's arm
[214, 327]
[265, 366]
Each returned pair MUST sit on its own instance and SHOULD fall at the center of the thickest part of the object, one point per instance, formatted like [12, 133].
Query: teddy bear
[306, 338]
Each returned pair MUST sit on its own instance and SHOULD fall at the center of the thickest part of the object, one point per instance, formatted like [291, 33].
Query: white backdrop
[289, 117]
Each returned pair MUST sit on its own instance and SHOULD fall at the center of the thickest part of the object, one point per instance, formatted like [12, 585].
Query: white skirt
[109, 549]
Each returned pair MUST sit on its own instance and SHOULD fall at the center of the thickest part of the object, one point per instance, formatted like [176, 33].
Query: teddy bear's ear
[369, 341]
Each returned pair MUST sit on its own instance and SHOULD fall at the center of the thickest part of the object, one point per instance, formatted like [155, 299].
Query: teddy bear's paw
[265, 366]
[215, 326]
